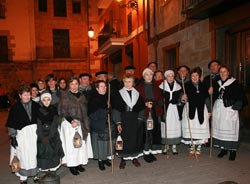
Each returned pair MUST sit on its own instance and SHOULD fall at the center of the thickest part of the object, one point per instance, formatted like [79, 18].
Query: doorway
[171, 57]
[237, 49]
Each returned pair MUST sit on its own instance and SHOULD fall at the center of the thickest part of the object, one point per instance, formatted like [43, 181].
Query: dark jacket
[74, 106]
[18, 118]
[196, 99]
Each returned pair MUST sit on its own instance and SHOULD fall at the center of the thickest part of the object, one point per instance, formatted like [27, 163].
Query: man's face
[52, 84]
[85, 81]
[214, 67]
[183, 72]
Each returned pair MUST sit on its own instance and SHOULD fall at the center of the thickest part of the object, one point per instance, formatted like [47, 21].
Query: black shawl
[18, 117]
[196, 99]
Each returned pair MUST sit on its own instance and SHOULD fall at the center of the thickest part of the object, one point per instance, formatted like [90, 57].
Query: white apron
[74, 156]
[225, 122]
[172, 116]
[198, 131]
[26, 150]
[173, 122]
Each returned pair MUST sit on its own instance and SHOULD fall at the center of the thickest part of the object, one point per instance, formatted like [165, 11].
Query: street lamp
[130, 4]
[91, 32]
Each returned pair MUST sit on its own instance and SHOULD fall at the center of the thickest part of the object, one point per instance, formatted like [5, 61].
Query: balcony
[201, 9]
[109, 39]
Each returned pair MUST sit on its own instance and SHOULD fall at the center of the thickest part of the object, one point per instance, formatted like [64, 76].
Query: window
[4, 49]
[76, 7]
[129, 23]
[42, 5]
[61, 43]
[60, 9]
[2, 11]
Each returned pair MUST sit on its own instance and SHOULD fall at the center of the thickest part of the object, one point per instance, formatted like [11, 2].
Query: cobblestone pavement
[179, 169]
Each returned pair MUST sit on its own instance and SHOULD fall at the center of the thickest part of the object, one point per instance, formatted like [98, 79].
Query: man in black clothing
[85, 86]
[211, 81]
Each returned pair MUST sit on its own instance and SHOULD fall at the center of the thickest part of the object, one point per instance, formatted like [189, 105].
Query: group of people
[67, 123]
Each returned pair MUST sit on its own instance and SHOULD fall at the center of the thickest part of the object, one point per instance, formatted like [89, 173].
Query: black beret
[84, 75]
[130, 67]
[213, 61]
[181, 66]
[100, 72]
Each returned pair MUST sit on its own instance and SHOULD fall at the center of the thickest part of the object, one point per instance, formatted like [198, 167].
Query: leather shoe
[74, 171]
[80, 168]
[122, 164]
[152, 157]
[136, 163]
[222, 153]
[107, 163]
[232, 155]
[23, 182]
[36, 179]
[147, 158]
[101, 165]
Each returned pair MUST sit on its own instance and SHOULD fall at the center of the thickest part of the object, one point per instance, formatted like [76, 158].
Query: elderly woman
[22, 126]
[153, 101]
[128, 112]
[226, 114]
[98, 115]
[195, 113]
[73, 112]
[172, 94]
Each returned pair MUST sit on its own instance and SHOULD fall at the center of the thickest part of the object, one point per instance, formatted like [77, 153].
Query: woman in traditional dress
[49, 145]
[128, 113]
[75, 122]
[195, 113]
[22, 126]
[153, 101]
[172, 93]
[226, 114]
[98, 115]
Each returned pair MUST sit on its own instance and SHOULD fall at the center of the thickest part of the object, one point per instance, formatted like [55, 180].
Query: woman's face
[170, 78]
[73, 86]
[195, 77]
[224, 73]
[25, 97]
[128, 83]
[148, 77]
[34, 92]
[41, 84]
[102, 88]
[46, 101]
[62, 84]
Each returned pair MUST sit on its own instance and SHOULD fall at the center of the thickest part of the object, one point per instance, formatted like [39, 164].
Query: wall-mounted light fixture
[130, 4]
[91, 32]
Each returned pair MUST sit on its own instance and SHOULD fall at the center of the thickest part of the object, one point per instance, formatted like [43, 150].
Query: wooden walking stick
[211, 128]
[165, 117]
[110, 136]
[189, 127]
